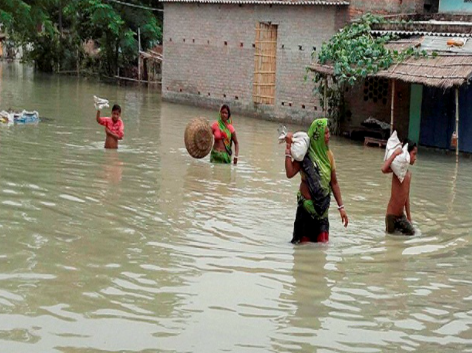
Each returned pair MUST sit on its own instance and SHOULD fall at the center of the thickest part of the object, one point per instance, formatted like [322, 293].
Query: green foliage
[57, 29]
[355, 54]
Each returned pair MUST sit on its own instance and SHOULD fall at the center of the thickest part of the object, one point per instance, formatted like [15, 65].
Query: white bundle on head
[401, 162]
[100, 103]
[300, 145]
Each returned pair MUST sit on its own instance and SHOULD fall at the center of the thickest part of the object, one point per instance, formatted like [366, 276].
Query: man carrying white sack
[399, 203]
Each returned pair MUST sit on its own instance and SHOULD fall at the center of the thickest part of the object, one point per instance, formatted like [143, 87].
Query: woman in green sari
[224, 134]
[318, 180]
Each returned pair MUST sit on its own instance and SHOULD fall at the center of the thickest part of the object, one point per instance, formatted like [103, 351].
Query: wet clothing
[117, 128]
[398, 224]
[312, 215]
[307, 227]
[222, 131]
[221, 134]
[219, 157]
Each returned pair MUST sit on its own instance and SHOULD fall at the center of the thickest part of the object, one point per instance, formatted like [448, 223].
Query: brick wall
[209, 55]
[385, 7]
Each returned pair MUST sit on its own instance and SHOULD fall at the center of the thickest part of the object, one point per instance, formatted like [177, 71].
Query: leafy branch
[355, 54]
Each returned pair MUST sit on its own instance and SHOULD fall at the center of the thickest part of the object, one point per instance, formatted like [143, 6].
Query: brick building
[253, 54]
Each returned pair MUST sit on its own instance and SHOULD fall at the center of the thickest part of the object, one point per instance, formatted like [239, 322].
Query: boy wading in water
[113, 127]
[395, 220]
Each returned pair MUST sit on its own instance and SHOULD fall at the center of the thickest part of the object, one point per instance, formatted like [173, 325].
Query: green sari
[223, 156]
[317, 169]
[311, 220]
[318, 151]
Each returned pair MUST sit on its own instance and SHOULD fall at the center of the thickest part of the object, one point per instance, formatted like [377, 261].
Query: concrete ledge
[264, 112]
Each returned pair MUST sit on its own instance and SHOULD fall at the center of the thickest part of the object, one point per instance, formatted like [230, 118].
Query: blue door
[438, 117]
[465, 119]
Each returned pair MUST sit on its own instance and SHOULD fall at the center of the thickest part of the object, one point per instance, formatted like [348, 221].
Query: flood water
[145, 249]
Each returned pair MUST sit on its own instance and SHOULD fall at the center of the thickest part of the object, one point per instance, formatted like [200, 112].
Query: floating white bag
[6, 117]
[401, 162]
[300, 145]
[100, 103]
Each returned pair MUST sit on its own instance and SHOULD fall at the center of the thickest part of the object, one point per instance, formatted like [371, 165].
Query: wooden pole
[325, 105]
[139, 54]
[392, 107]
[457, 124]
[78, 63]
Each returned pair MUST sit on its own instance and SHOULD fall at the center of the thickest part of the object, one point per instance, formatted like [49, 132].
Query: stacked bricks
[384, 7]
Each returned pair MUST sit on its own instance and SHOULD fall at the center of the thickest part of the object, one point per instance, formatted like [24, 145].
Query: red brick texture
[385, 7]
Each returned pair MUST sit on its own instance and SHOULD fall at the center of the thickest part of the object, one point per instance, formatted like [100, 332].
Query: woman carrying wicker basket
[225, 135]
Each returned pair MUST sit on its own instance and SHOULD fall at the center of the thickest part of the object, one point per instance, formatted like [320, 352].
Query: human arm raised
[386, 166]
[292, 167]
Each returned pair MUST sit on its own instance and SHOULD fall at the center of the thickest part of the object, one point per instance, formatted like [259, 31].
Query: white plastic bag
[6, 117]
[282, 130]
[300, 145]
[100, 103]
[401, 162]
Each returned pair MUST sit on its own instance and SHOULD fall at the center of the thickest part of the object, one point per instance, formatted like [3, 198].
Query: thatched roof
[452, 67]
[265, 2]
[442, 71]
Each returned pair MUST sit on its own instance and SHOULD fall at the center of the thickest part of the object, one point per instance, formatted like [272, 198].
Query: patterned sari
[312, 215]
[226, 134]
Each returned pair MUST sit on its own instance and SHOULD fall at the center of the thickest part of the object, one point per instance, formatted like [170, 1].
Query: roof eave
[263, 2]
[444, 82]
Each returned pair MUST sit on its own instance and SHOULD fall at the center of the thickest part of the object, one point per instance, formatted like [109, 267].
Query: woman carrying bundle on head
[318, 179]
[225, 135]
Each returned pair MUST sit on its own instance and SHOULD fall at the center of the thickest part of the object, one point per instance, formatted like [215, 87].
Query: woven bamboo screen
[264, 63]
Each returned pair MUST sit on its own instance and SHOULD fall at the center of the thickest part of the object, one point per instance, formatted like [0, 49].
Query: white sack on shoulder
[401, 162]
[392, 144]
[300, 144]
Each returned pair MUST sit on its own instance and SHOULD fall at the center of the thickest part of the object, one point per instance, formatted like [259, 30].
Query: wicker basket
[198, 137]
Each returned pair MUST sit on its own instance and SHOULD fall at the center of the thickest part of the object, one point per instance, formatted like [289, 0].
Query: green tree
[56, 29]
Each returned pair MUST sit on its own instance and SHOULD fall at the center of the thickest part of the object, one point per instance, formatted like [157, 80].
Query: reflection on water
[147, 249]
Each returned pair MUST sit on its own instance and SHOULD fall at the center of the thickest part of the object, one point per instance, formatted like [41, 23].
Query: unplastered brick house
[253, 54]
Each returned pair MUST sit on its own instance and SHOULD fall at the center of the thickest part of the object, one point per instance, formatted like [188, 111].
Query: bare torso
[304, 190]
[399, 195]
[219, 146]
[111, 142]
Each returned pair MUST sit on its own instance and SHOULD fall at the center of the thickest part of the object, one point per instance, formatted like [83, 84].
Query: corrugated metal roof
[265, 2]
[421, 33]
[448, 23]
[439, 44]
